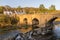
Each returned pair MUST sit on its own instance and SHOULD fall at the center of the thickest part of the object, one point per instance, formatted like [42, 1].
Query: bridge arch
[25, 20]
[35, 23]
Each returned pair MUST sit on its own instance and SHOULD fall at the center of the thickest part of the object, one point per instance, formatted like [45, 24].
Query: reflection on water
[57, 32]
[8, 35]
[11, 34]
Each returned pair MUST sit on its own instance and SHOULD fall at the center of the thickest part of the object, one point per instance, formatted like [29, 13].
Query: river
[11, 34]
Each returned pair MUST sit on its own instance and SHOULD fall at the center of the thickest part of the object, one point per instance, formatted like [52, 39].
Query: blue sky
[30, 3]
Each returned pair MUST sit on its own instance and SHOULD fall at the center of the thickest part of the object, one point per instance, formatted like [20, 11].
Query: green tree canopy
[42, 8]
[52, 7]
[4, 19]
[1, 9]
[19, 8]
[14, 21]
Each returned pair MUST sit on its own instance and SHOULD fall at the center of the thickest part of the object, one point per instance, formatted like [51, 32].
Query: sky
[30, 3]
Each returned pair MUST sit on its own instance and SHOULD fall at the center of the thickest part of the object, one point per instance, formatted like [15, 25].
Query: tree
[8, 23]
[6, 19]
[1, 9]
[14, 20]
[27, 10]
[42, 8]
[52, 7]
[18, 8]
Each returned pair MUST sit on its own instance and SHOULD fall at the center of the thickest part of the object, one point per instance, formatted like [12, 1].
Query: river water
[57, 32]
[11, 34]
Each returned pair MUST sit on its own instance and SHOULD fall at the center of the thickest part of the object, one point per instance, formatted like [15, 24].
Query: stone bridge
[40, 18]
[35, 19]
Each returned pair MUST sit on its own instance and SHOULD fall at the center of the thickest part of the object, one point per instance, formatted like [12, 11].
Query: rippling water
[11, 34]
